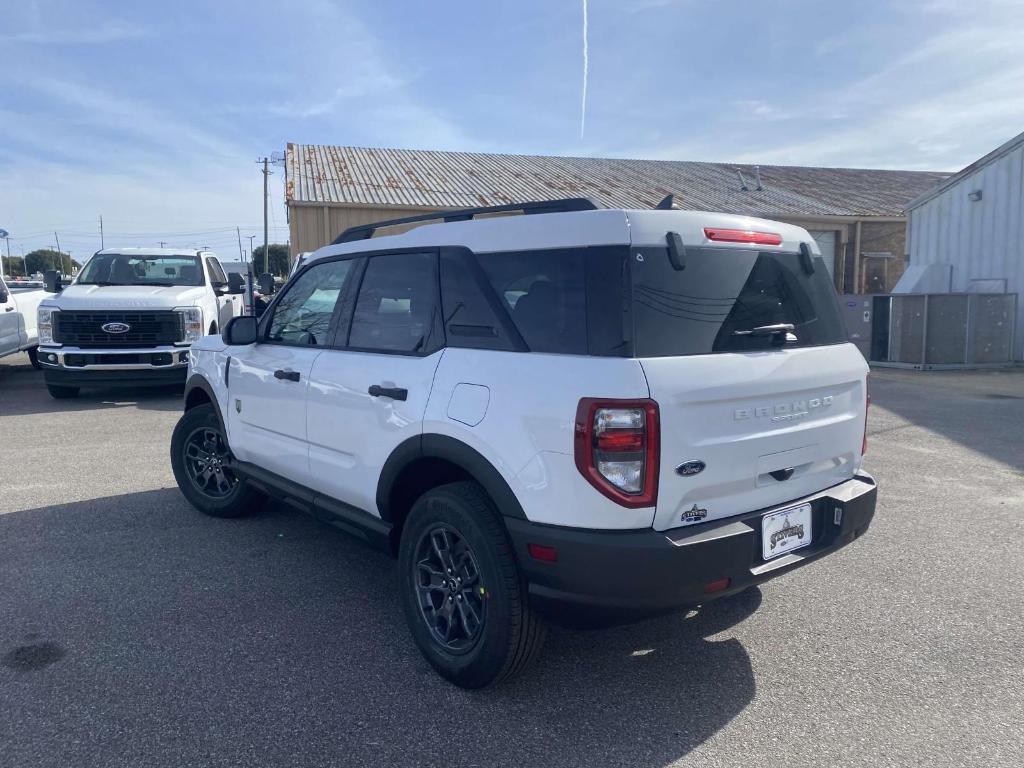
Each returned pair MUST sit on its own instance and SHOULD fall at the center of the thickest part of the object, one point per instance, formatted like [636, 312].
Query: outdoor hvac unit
[943, 330]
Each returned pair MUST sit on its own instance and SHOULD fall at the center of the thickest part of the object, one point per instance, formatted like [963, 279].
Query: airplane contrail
[583, 108]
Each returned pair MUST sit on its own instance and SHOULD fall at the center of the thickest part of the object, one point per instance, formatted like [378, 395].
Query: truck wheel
[201, 459]
[62, 393]
[462, 592]
[33, 357]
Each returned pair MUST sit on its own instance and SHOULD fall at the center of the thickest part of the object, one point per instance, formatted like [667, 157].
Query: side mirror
[235, 283]
[51, 281]
[240, 331]
[3, 295]
[267, 284]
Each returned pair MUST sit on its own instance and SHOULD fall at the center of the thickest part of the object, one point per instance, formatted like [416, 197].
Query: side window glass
[302, 316]
[397, 308]
[469, 319]
[216, 270]
[545, 294]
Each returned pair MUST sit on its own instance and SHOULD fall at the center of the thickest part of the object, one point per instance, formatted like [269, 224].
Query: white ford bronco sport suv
[130, 316]
[578, 415]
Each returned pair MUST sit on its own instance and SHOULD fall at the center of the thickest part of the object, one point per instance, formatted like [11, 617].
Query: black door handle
[395, 393]
[8, 309]
[287, 375]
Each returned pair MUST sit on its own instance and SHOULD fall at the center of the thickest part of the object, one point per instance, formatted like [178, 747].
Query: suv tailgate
[797, 413]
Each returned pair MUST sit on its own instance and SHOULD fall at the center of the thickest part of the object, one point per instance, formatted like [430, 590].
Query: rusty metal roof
[317, 173]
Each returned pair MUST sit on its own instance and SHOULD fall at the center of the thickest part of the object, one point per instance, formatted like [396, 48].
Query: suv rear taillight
[616, 446]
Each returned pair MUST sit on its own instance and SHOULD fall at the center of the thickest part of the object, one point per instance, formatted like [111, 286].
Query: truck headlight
[191, 323]
[46, 318]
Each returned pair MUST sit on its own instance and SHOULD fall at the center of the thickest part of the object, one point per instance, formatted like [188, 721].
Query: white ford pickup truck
[18, 320]
[129, 318]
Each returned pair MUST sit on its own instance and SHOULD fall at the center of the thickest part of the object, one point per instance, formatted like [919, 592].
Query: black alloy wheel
[451, 596]
[207, 461]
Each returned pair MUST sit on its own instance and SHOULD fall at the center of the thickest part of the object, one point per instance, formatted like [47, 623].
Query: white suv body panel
[527, 430]
[351, 434]
[748, 415]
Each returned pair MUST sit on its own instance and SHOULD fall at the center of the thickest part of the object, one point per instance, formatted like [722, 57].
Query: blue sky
[152, 114]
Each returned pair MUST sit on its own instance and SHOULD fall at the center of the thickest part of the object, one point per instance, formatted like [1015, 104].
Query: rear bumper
[605, 577]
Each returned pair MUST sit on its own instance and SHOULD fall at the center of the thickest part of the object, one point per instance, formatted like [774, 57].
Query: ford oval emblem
[116, 327]
[688, 468]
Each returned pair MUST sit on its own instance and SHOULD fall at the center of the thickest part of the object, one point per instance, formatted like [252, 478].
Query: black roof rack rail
[365, 231]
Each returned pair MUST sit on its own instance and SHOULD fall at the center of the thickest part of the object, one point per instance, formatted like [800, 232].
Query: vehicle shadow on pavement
[23, 393]
[138, 631]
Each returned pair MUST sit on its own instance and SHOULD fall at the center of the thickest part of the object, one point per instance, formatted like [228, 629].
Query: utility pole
[102, 242]
[61, 254]
[266, 239]
[7, 239]
[162, 243]
[238, 231]
[251, 252]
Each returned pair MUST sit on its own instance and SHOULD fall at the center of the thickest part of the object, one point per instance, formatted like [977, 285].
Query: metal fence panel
[991, 325]
[946, 342]
[907, 328]
[944, 329]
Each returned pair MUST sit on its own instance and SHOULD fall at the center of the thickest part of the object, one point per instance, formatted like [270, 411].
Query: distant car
[130, 317]
[18, 310]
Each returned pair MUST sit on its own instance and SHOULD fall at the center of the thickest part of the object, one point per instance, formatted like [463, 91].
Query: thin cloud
[113, 31]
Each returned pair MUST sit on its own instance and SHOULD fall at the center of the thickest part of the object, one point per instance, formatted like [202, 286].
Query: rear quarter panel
[526, 431]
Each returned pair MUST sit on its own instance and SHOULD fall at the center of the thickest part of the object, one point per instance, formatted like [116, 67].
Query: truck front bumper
[608, 577]
[76, 367]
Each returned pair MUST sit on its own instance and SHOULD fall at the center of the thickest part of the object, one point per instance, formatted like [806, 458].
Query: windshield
[731, 300]
[125, 269]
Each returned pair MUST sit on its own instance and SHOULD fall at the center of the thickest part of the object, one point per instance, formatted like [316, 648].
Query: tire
[199, 453]
[33, 357]
[509, 635]
[62, 393]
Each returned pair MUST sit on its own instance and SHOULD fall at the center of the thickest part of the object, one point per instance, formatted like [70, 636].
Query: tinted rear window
[723, 293]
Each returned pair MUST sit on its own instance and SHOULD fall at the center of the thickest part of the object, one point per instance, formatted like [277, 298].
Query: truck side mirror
[240, 331]
[51, 281]
[266, 284]
[235, 283]
[3, 294]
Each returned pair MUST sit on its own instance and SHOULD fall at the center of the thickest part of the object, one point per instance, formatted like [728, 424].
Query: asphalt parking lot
[136, 632]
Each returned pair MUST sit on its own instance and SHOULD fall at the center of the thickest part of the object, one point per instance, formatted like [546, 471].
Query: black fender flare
[455, 451]
[197, 381]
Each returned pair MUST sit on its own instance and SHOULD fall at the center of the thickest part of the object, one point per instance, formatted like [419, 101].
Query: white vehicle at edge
[130, 316]
[18, 310]
[580, 416]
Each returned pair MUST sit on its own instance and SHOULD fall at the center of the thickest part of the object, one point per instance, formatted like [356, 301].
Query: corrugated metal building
[856, 216]
[974, 223]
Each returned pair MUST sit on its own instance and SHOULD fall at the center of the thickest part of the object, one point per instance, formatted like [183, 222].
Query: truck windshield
[134, 269]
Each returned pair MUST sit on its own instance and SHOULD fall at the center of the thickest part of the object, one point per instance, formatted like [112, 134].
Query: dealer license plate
[786, 530]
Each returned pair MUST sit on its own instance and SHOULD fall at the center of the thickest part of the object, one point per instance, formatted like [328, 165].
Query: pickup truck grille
[146, 329]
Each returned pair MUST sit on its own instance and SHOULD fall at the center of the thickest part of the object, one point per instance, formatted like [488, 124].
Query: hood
[128, 296]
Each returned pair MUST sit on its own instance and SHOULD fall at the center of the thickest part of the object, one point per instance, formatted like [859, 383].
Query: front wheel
[463, 595]
[201, 461]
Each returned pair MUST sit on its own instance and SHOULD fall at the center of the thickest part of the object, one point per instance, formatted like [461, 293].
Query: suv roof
[607, 226]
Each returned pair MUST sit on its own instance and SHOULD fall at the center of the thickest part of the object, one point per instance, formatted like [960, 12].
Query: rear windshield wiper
[767, 330]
